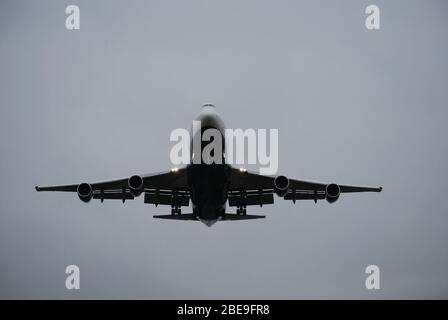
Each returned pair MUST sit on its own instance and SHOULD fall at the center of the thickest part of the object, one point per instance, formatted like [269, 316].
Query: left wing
[169, 187]
[248, 188]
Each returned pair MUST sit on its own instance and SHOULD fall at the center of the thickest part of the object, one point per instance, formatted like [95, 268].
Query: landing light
[243, 170]
[174, 169]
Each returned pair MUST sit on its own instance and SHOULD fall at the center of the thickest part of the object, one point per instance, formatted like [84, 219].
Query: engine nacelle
[332, 192]
[281, 185]
[135, 184]
[85, 192]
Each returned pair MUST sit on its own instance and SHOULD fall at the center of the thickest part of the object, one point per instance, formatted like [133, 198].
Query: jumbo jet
[209, 187]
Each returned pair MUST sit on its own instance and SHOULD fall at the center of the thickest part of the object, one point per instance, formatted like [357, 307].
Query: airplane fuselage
[208, 182]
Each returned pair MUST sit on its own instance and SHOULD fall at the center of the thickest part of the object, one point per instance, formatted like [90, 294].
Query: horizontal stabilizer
[184, 216]
[190, 216]
[232, 216]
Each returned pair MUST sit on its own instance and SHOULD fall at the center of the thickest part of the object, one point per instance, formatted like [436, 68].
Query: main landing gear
[241, 210]
[175, 210]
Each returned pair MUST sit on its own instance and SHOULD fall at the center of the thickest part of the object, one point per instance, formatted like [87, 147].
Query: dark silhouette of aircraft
[209, 187]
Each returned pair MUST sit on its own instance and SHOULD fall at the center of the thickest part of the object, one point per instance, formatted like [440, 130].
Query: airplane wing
[169, 187]
[249, 188]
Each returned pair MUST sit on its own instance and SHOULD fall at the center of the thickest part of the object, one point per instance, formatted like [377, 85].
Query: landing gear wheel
[175, 210]
[241, 210]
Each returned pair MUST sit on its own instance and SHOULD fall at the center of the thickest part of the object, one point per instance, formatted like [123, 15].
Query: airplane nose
[209, 117]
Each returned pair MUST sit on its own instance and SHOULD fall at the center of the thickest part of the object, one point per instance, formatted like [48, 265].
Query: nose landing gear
[175, 210]
[241, 210]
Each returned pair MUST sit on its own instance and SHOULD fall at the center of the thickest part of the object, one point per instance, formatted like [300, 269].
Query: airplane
[209, 187]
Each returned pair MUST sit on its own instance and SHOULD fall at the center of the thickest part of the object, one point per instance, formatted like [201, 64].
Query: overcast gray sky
[352, 106]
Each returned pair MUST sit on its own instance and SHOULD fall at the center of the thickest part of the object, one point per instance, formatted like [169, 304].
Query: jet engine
[85, 192]
[332, 192]
[135, 184]
[281, 184]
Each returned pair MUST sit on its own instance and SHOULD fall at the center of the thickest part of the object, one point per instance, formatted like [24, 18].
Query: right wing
[249, 188]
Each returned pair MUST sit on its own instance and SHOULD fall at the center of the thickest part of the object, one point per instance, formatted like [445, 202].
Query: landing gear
[241, 210]
[175, 210]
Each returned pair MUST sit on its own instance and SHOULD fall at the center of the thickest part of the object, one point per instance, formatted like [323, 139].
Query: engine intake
[135, 184]
[85, 192]
[332, 192]
[281, 184]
